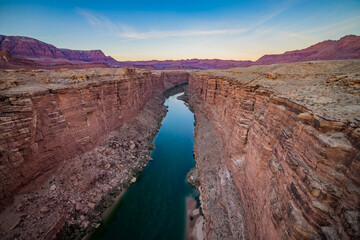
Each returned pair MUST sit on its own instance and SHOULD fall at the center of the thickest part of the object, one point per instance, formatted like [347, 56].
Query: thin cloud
[181, 33]
[127, 32]
[336, 27]
[98, 21]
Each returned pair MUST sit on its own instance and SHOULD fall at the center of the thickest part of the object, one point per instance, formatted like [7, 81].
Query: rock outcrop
[289, 136]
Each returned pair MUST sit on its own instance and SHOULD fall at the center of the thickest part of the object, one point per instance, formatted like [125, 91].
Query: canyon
[276, 147]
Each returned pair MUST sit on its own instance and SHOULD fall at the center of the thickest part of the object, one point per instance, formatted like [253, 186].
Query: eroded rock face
[49, 116]
[289, 136]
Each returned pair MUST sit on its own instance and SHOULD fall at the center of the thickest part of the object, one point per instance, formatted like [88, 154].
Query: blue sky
[147, 30]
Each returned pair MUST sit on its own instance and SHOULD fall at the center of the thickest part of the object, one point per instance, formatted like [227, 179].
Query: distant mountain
[7, 61]
[31, 53]
[48, 54]
[347, 47]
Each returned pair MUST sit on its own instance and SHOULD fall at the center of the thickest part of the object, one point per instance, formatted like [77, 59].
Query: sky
[146, 30]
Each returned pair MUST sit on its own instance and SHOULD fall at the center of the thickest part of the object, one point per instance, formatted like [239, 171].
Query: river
[154, 207]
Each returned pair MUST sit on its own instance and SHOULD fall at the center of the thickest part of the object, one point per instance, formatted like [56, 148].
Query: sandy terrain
[194, 221]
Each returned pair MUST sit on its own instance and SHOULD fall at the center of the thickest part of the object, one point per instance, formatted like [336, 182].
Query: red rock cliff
[54, 115]
[290, 137]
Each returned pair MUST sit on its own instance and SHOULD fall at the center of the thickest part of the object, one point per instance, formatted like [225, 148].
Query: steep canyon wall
[49, 116]
[289, 136]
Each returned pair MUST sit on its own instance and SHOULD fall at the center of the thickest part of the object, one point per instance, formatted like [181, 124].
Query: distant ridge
[189, 64]
[25, 52]
[42, 52]
[347, 47]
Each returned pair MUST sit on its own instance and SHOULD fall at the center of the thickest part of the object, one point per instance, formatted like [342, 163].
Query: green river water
[154, 207]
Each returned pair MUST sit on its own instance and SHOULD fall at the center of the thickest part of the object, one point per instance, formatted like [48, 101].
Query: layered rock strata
[71, 201]
[289, 136]
[48, 117]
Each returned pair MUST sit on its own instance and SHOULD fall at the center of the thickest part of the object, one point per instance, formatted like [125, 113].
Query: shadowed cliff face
[49, 116]
[289, 135]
